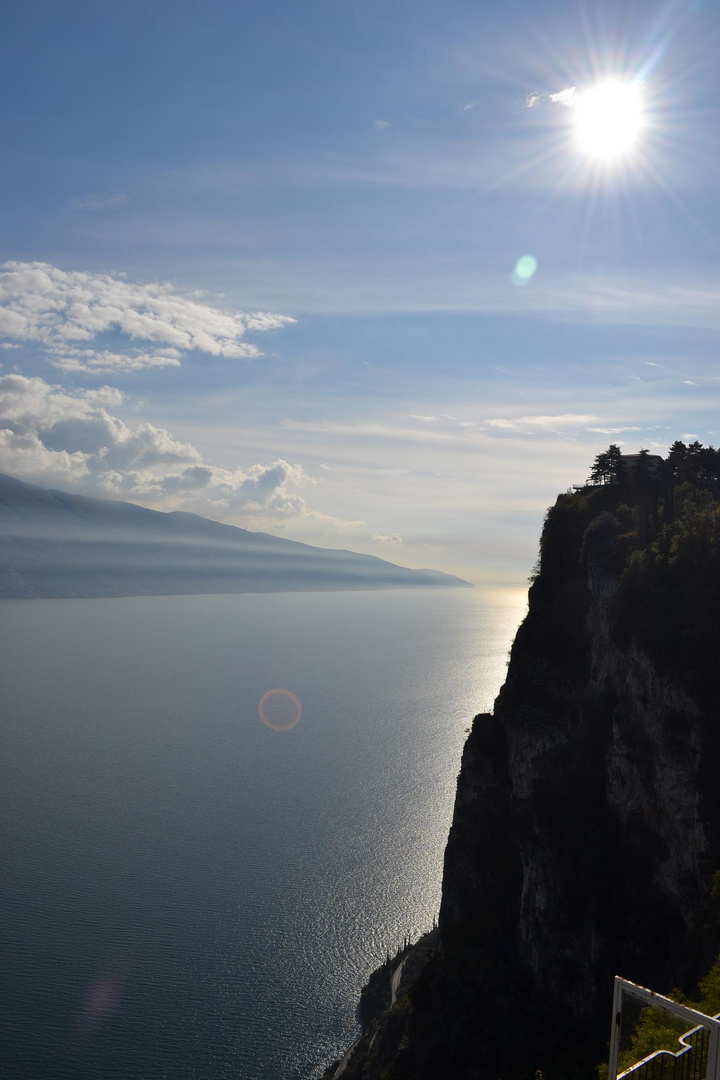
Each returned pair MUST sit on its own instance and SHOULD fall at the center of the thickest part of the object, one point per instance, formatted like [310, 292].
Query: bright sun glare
[609, 118]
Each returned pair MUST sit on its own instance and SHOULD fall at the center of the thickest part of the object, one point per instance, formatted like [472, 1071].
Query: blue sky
[365, 175]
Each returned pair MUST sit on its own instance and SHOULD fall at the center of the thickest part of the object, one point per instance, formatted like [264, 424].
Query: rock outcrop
[585, 835]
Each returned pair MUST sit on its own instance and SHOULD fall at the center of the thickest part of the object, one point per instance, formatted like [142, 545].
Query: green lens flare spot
[524, 270]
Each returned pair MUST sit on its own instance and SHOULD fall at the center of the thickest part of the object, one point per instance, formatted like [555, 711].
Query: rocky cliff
[586, 828]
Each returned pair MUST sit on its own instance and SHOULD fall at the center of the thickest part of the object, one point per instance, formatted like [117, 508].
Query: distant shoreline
[55, 545]
[244, 592]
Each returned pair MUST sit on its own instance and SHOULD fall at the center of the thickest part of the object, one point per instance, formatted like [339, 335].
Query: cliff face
[585, 833]
[590, 784]
[604, 811]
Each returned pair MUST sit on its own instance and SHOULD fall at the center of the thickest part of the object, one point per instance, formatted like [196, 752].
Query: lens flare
[524, 270]
[101, 1000]
[280, 710]
[608, 119]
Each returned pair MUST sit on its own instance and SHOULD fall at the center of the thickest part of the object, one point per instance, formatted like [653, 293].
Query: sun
[608, 119]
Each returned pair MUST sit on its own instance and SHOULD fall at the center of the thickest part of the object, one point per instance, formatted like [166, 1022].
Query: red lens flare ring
[280, 710]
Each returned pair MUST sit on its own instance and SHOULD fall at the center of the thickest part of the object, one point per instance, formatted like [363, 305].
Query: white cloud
[65, 311]
[264, 490]
[24, 455]
[28, 404]
[457, 421]
[381, 125]
[612, 430]
[564, 97]
[452, 429]
[104, 362]
[388, 538]
[50, 435]
[532, 424]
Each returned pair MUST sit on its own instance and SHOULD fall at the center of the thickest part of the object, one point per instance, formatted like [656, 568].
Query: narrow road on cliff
[341, 1067]
[395, 982]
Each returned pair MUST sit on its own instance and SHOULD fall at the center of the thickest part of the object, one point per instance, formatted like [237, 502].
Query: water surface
[186, 893]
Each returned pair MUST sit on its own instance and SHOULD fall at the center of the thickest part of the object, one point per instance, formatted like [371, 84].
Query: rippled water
[185, 893]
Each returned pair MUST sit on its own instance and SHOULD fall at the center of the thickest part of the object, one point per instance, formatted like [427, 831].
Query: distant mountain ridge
[54, 544]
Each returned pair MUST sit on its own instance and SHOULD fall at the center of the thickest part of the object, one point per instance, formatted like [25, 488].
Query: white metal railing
[700, 1045]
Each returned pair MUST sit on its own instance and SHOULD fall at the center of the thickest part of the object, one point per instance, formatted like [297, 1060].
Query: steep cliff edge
[586, 830]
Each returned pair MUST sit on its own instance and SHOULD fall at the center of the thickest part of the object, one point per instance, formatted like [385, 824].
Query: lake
[186, 892]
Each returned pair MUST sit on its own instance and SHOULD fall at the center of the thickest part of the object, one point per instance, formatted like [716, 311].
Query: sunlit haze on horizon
[380, 276]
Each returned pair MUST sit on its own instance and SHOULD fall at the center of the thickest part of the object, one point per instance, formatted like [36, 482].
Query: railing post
[712, 1058]
[616, 1028]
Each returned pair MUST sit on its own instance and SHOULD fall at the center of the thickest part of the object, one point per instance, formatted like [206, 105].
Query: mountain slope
[54, 544]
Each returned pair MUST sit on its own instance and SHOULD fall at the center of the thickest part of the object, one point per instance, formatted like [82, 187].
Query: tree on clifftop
[607, 467]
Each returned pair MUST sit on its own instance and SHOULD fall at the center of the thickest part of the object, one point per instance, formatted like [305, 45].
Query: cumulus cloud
[64, 312]
[49, 435]
[23, 454]
[388, 538]
[263, 490]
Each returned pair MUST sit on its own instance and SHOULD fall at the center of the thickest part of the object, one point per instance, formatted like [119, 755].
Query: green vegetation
[668, 546]
[607, 467]
[656, 525]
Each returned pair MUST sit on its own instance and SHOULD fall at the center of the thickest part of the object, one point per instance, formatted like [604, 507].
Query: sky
[354, 272]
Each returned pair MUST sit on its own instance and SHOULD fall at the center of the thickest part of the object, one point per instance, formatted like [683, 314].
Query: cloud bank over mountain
[53, 434]
[55, 544]
[61, 436]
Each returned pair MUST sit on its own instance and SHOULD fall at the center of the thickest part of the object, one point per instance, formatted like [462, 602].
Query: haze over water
[187, 893]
